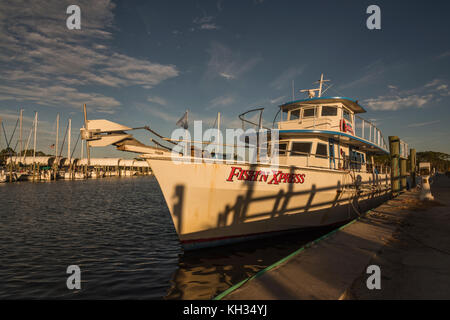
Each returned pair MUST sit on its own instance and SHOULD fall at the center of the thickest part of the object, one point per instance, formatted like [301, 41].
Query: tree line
[8, 152]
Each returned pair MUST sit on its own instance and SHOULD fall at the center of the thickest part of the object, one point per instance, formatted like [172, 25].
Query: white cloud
[423, 124]
[209, 26]
[368, 74]
[278, 100]
[157, 100]
[58, 96]
[396, 103]
[52, 65]
[221, 102]
[284, 80]
[164, 115]
[227, 76]
[228, 63]
[414, 98]
[206, 23]
[444, 55]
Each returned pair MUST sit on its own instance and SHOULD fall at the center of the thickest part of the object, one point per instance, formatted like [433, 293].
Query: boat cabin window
[309, 112]
[322, 150]
[300, 149]
[329, 111]
[295, 115]
[347, 115]
[285, 114]
[357, 159]
[281, 148]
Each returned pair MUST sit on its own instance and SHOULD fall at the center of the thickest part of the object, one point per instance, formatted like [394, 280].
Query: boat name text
[274, 177]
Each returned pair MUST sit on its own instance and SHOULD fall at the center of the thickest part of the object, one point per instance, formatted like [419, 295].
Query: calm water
[119, 232]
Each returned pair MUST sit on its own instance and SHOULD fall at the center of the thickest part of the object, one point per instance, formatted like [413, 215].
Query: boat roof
[353, 105]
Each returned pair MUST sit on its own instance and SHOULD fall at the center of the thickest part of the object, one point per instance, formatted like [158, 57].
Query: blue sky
[146, 62]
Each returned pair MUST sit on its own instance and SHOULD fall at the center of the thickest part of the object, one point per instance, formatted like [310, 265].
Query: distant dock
[50, 168]
[408, 239]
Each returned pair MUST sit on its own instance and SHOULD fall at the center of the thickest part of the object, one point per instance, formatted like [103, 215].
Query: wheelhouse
[326, 132]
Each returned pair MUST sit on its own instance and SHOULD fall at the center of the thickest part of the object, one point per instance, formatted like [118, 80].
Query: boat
[325, 174]
[3, 177]
[79, 175]
[46, 176]
[96, 174]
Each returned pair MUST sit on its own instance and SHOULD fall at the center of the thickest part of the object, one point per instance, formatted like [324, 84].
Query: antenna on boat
[312, 92]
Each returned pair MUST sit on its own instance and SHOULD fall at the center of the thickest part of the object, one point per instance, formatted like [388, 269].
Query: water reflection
[205, 273]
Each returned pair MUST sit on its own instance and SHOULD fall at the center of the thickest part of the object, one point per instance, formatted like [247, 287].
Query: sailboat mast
[35, 129]
[57, 136]
[20, 132]
[68, 143]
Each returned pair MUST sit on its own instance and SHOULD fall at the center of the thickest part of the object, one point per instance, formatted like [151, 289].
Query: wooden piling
[403, 174]
[394, 148]
[412, 168]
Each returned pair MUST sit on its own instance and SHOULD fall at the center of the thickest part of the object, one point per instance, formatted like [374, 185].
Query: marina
[333, 172]
[224, 159]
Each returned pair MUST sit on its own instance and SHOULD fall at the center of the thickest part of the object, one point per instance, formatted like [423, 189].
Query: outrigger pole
[101, 133]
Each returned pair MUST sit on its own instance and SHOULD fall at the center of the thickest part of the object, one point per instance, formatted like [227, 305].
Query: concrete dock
[408, 239]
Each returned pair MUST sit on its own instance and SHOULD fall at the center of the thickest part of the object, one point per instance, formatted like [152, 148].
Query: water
[119, 232]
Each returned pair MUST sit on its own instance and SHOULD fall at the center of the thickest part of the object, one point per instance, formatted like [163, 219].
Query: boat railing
[361, 128]
[368, 131]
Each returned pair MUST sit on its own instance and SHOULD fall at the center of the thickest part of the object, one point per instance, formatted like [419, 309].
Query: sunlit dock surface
[408, 239]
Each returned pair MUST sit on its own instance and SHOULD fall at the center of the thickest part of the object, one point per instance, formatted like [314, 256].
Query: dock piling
[403, 174]
[413, 167]
[394, 148]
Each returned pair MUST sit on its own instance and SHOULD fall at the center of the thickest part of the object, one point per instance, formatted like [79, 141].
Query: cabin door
[331, 153]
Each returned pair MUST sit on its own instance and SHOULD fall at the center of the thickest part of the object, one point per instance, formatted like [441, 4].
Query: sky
[146, 62]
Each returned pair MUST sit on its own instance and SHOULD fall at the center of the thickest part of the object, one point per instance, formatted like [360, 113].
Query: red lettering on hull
[276, 177]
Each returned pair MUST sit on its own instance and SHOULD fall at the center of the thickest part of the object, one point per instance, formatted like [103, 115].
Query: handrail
[259, 125]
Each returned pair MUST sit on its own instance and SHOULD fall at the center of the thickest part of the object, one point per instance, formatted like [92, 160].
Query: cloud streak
[228, 64]
[51, 65]
[415, 98]
[423, 124]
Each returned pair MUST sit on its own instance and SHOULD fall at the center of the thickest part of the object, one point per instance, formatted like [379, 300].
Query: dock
[407, 238]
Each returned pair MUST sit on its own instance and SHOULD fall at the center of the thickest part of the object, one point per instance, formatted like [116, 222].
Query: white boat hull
[208, 210]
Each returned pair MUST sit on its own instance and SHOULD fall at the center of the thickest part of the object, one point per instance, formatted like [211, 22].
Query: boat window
[329, 111]
[308, 113]
[284, 116]
[300, 149]
[357, 159]
[347, 115]
[295, 115]
[321, 150]
[281, 148]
